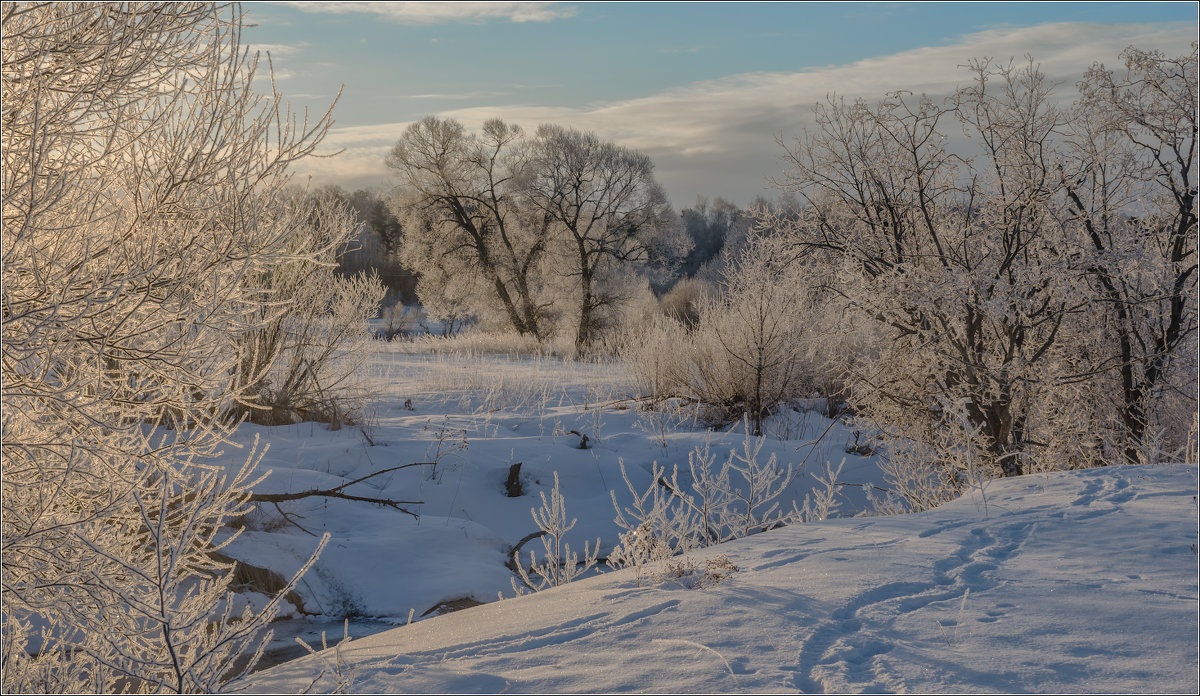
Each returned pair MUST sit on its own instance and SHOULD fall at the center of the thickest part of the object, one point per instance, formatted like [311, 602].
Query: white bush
[143, 193]
[559, 564]
[753, 346]
[712, 505]
[301, 363]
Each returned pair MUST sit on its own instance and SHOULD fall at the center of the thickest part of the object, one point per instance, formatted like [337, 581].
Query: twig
[288, 518]
[702, 647]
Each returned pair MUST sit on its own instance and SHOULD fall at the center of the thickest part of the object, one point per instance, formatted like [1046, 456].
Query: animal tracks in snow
[849, 652]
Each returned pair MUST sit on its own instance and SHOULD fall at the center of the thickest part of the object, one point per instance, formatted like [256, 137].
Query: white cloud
[718, 137]
[279, 50]
[458, 96]
[440, 12]
[263, 77]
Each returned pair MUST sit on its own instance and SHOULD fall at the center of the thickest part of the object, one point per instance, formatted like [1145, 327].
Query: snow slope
[1079, 581]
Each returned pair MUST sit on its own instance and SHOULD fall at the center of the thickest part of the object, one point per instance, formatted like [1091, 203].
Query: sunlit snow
[1068, 582]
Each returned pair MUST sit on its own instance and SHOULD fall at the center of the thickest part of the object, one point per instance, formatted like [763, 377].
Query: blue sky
[704, 88]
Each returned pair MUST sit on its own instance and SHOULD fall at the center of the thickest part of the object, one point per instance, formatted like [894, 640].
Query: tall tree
[985, 272]
[460, 202]
[1130, 191]
[959, 259]
[607, 211]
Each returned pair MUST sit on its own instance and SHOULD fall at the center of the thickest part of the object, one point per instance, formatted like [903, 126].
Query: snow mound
[1080, 581]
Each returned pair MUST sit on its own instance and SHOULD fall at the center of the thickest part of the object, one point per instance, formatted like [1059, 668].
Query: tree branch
[336, 492]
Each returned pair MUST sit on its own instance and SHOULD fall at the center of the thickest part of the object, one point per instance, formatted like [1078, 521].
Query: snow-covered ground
[476, 416]
[1081, 581]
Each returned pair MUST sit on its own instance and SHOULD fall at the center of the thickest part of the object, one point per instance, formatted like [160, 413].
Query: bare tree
[1130, 193]
[959, 259]
[460, 203]
[143, 191]
[607, 211]
[985, 271]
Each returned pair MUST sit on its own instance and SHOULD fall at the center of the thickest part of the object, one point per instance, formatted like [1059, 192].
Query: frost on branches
[143, 204]
[529, 234]
[1037, 298]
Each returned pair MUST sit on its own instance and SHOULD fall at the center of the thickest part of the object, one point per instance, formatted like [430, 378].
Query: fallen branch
[515, 554]
[336, 492]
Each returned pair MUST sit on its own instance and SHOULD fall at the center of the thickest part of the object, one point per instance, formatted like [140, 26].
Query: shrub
[301, 362]
[751, 349]
[683, 301]
[143, 198]
[559, 565]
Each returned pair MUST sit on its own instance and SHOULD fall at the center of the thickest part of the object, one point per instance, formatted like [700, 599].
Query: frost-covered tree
[960, 259]
[984, 271]
[1129, 191]
[372, 209]
[605, 212]
[467, 231]
[144, 197]
[517, 229]
[708, 226]
[760, 324]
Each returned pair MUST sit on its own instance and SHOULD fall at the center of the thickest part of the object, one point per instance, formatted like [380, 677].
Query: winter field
[1069, 582]
[921, 416]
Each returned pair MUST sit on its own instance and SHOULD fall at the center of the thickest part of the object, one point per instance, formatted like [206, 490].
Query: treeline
[703, 238]
[1028, 305]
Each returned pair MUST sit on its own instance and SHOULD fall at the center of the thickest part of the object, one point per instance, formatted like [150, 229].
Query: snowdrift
[1080, 581]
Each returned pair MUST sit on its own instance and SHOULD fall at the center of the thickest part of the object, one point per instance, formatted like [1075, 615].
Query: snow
[1070, 582]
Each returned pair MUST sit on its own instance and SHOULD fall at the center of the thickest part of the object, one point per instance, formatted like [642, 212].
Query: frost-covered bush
[657, 523]
[682, 302]
[711, 504]
[397, 319]
[301, 363]
[755, 333]
[913, 484]
[687, 573]
[740, 497]
[559, 564]
[144, 193]
[751, 350]
[657, 358]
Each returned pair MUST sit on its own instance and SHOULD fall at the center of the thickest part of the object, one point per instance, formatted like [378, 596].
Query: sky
[708, 90]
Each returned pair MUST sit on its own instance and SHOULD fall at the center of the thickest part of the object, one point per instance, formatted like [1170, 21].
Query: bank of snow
[1069, 582]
